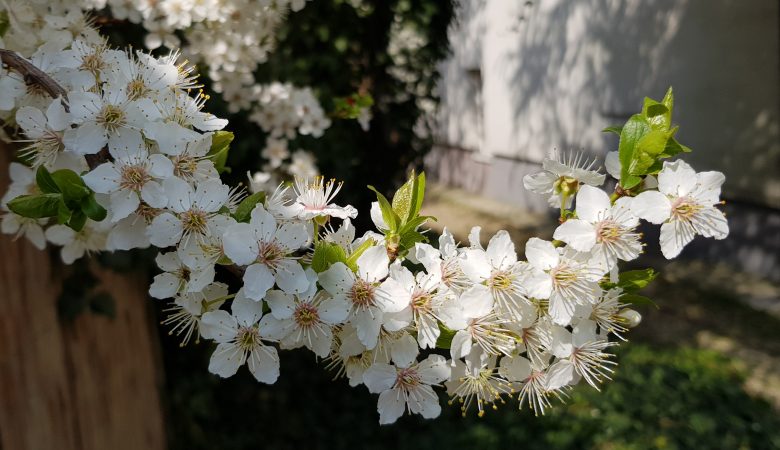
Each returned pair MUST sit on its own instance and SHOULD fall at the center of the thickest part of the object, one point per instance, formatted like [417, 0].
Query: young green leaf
[244, 210]
[220, 146]
[71, 185]
[634, 129]
[36, 206]
[647, 150]
[45, 182]
[92, 208]
[351, 261]
[402, 199]
[616, 129]
[634, 280]
[637, 300]
[63, 212]
[77, 220]
[390, 217]
[445, 337]
[326, 254]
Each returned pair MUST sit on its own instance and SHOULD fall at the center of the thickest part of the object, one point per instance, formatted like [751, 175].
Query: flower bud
[631, 317]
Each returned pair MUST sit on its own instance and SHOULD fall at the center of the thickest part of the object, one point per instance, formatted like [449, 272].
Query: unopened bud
[631, 317]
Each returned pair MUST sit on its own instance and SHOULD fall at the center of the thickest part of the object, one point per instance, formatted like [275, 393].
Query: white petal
[425, 403]
[247, 312]
[559, 375]
[475, 265]
[218, 325]
[501, 251]
[290, 276]
[391, 406]
[32, 121]
[264, 364]
[240, 244]
[404, 351]
[103, 179]
[226, 360]
[160, 166]
[154, 195]
[367, 322]
[281, 303]
[461, 344]
[60, 234]
[612, 164]
[516, 368]
[123, 203]
[179, 194]
[652, 206]
[710, 222]
[337, 280]
[540, 182]
[379, 377]
[334, 310]
[275, 329]
[674, 237]
[58, 118]
[292, 235]
[258, 279]
[579, 234]
[373, 263]
[676, 178]
[592, 203]
[476, 301]
[211, 195]
[165, 230]
[165, 285]
[263, 223]
[433, 369]
[541, 254]
[88, 139]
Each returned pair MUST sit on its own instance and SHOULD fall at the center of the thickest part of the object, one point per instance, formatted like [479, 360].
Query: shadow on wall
[554, 73]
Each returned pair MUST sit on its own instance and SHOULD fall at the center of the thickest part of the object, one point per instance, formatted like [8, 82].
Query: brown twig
[32, 74]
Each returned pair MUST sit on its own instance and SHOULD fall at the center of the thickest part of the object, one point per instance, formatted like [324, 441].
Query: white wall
[553, 73]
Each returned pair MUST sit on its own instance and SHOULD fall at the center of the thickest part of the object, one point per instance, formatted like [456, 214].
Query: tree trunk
[90, 384]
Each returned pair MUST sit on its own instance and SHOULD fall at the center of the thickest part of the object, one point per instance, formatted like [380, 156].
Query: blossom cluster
[127, 158]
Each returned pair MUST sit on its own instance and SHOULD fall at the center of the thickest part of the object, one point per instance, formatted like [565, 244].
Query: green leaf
[390, 217]
[353, 257]
[673, 147]
[418, 195]
[634, 280]
[326, 254]
[637, 300]
[657, 114]
[36, 206]
[647, 150]
[410, 238]
[668, 100]
[220, 146]
[632, 132]
[445, 337]
[63, 212]
[45, 182]
[616, 129]
[71, 185]
[77, 220]
[415, 223]
[402, 200]
[92, 208]
[244, 210]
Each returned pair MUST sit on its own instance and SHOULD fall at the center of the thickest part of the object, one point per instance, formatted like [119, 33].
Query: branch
[32, 74]
[35, 76]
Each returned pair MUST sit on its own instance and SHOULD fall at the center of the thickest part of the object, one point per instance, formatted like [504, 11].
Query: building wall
[529, 77]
